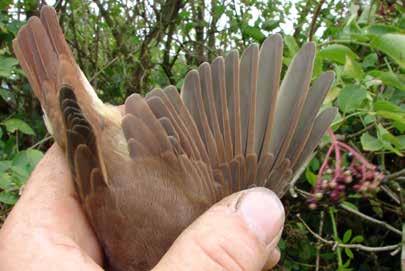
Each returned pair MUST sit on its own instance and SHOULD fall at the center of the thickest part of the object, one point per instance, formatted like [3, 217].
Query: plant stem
[402, 199]
[370, 219]
[312, 28]
[335, 236]
[337, 244]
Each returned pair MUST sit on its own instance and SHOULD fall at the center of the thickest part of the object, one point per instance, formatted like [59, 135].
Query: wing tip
[130, 100]
[33, 19]
[204, 66]
[218, 60]
[276, 39]
[191, 75]
[307, 51]
[47, 10]
[331, 75]
[251, 49]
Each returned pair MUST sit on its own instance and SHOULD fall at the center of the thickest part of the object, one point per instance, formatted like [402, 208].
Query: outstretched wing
[250, 128]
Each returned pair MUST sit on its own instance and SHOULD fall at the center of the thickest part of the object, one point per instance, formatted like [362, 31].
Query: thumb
[241, 232]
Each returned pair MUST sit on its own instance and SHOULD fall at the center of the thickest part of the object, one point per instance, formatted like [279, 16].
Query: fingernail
[263, 213]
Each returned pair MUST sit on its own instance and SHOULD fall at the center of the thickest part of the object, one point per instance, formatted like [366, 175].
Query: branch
[319, 246]
[403, 249]
[371, 219]
[395, 175]
[313, 27]
[390, 193]
[336, 244]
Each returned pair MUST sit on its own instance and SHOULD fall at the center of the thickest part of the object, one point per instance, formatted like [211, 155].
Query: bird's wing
[253, 129]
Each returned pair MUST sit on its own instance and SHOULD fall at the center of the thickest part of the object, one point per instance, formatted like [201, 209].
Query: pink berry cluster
[335, 181]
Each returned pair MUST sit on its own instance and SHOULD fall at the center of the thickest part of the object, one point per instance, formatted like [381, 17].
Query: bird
[146, 172]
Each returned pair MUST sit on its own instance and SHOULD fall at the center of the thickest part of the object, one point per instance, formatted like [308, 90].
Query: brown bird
[145, 175]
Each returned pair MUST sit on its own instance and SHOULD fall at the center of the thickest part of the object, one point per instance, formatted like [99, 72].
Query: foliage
[134, 46]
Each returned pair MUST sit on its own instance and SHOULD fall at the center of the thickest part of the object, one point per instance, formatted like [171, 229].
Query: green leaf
[352, 69]
[357, 239]
[401, 22]
[381, 29]
[27, 159]
[5, 3]
[350, 205]
[269, 25]
[6, 182]
[389, 79]
[6, 65]
[219, 10]
[349, 253]
[315, 164]
[332, 95]
[4, 165]
[7, 95]
[253, 32]
[347, 235]
[8, 198]
[390, 111]
[401, 140]
[392, 45]
[399, 126]
[387, 106]
[370, 143]
[318, 66]
[337, 53]
[291, 44]
[398, 117]
[351, 97]
[370, 60]
[370, 118]
[310, 176]
[13, 125]
[389, 141]
[368, 14]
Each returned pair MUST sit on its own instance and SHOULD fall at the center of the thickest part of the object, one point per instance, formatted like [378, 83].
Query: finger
[237, 233]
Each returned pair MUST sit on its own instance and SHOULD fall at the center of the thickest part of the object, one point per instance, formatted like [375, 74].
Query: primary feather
[143, 176]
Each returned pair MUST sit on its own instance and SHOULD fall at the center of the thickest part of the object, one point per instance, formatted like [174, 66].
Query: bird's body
[144, 175]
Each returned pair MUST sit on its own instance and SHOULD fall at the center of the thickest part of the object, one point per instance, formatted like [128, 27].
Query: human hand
[47, 229]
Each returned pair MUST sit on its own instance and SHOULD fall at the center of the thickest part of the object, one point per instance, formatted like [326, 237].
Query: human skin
[48, 230]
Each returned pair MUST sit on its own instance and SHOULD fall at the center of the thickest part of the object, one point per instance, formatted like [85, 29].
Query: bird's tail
[74, 115]
[48, 62]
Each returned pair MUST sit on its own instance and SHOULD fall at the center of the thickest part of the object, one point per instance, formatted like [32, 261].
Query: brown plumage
[145, 175]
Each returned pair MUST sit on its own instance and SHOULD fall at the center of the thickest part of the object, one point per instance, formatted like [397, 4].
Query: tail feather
[49, 64]
[50, 22]
[40, 63]
[69, 102]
